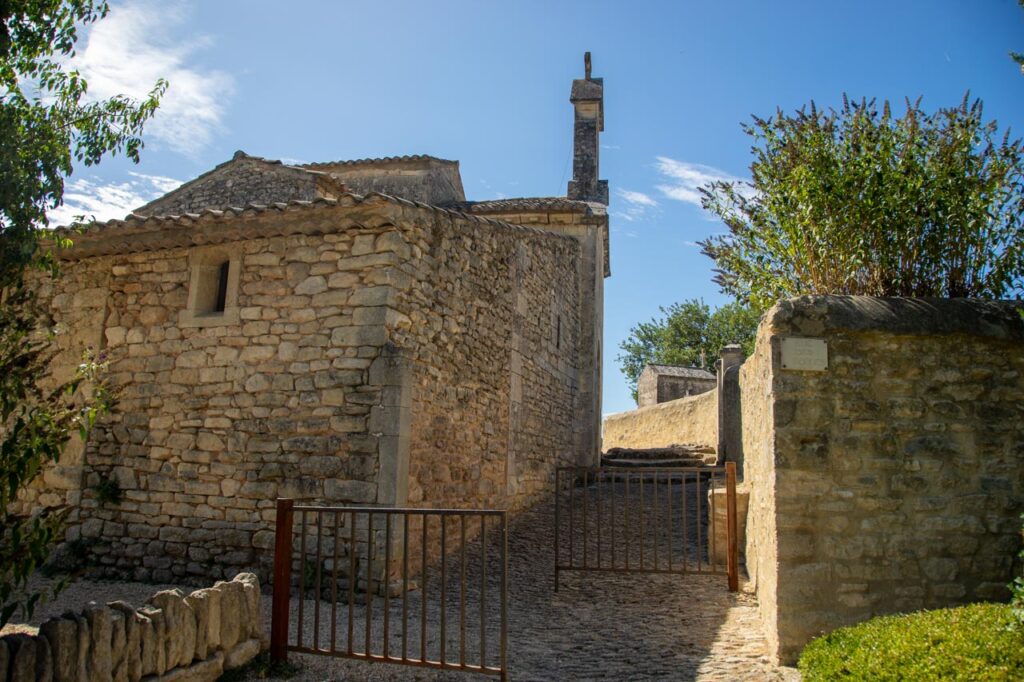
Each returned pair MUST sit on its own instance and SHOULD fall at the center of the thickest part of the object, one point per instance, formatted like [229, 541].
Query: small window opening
[558, 333]
[222, 287]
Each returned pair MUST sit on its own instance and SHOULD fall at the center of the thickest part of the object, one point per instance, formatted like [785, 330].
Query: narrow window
[222, 287]
[558, 333]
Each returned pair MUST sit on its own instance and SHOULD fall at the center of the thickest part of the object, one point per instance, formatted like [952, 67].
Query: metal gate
[647, 520]
[419, 587]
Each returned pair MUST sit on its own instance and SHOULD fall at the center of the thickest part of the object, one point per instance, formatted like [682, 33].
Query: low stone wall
[693, 419]
[887, 472]
[173, 638]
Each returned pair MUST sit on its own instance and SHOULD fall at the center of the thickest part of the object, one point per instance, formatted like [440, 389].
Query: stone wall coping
[819, 315]
[667, 405]
[147, 233]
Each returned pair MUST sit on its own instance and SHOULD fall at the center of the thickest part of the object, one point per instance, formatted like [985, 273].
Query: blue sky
[487, 83]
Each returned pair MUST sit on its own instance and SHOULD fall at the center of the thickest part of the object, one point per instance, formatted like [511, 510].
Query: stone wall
[376, 353]
[173, 637]
[893, 479]
[686, 420]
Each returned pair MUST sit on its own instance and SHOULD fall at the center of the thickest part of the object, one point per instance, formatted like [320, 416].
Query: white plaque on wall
[804, 354]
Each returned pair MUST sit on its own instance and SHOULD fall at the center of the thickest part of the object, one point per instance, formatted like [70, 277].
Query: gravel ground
[597, 626]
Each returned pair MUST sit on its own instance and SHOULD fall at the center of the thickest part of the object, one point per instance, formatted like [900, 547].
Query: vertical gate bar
[483, 589]
[334, 583]
[405, 586]
[642, 536]
[611, 521]
[317, 590]
[558, 522]
[686, 530]
[586, 528]
[387, 585]
[713, 525]
[369, 582]
[444, 585]
[302, 576]
[423, 591]
[504, 596]
[351, 575]
[462, 590]
[572, 528]
[700, 517]
[282, 580]
[731, 524]
[657, 520]
[597, 482]
[672, 524]
[625, 505]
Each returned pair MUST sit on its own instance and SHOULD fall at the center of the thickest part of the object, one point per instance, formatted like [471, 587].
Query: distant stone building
[341, 332]
[661, 383]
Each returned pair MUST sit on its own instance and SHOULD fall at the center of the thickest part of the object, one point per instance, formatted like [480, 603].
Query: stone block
[209, 670]
[62, 637]
[233, 612]
[253, 627]
[241, 654]
[30, 658]
[132, 659]
[100, 665]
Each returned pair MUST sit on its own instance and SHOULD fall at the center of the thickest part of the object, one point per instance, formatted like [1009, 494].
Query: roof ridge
[379, 159]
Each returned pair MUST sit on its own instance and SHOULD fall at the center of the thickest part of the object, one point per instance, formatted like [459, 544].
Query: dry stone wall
[893, 480]
[687, 420]
[174, 637]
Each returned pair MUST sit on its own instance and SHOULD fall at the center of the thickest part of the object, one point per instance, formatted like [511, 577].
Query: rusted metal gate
[647, 520]
[418, 587]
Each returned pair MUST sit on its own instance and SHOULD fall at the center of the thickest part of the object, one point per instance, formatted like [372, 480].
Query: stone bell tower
[587, 98]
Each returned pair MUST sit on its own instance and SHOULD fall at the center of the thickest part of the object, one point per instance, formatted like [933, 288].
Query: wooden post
[282, 580]
[733, 560]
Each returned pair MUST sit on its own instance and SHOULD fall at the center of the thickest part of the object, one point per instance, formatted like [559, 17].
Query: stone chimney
[587, 98]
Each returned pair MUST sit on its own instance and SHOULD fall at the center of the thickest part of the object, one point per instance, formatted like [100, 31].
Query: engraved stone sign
[804, 354]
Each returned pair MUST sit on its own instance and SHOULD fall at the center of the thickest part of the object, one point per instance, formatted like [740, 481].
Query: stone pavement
[609, 626]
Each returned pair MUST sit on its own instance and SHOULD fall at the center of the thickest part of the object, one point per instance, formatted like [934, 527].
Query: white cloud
[132, 47]
[636, 198]
[683, 178]
[105, 201]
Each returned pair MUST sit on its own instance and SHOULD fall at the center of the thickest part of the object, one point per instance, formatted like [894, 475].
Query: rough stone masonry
[347, 332]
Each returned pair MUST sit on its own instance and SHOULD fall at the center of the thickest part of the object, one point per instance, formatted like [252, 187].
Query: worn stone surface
[254, 606]
[892, 481]
[208, 670]
[154, 641]
[132, 660]
[180, 623]
[98, 661]
[118, 642]
[233, 613]
[62, 635]
[30, 658]
[241, 653]
[685, 420]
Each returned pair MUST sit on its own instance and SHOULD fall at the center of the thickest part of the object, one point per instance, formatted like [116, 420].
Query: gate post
[733, 559]
[282, 580]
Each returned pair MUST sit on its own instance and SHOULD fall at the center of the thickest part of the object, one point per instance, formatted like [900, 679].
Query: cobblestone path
[609, 626]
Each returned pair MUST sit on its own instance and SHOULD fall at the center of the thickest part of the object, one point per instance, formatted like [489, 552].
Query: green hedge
[979, 642]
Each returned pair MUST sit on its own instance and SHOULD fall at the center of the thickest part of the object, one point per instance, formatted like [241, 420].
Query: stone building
[340, 332]
[662, 383]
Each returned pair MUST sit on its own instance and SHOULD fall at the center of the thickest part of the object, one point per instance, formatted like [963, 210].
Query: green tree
[688, 334]
[857, 201]
[47, 123]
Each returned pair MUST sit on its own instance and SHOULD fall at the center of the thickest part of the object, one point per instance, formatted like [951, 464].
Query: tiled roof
[383, 159]
[523, 204]
[679, 371]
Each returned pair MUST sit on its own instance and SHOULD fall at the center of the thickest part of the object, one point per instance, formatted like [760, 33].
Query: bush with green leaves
[970, 643]
[860, 201]
[1017, 586]
[688, 334]
[47, 123]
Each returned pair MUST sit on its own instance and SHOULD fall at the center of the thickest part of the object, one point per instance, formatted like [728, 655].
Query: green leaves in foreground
[974, 643]
[859, 201]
